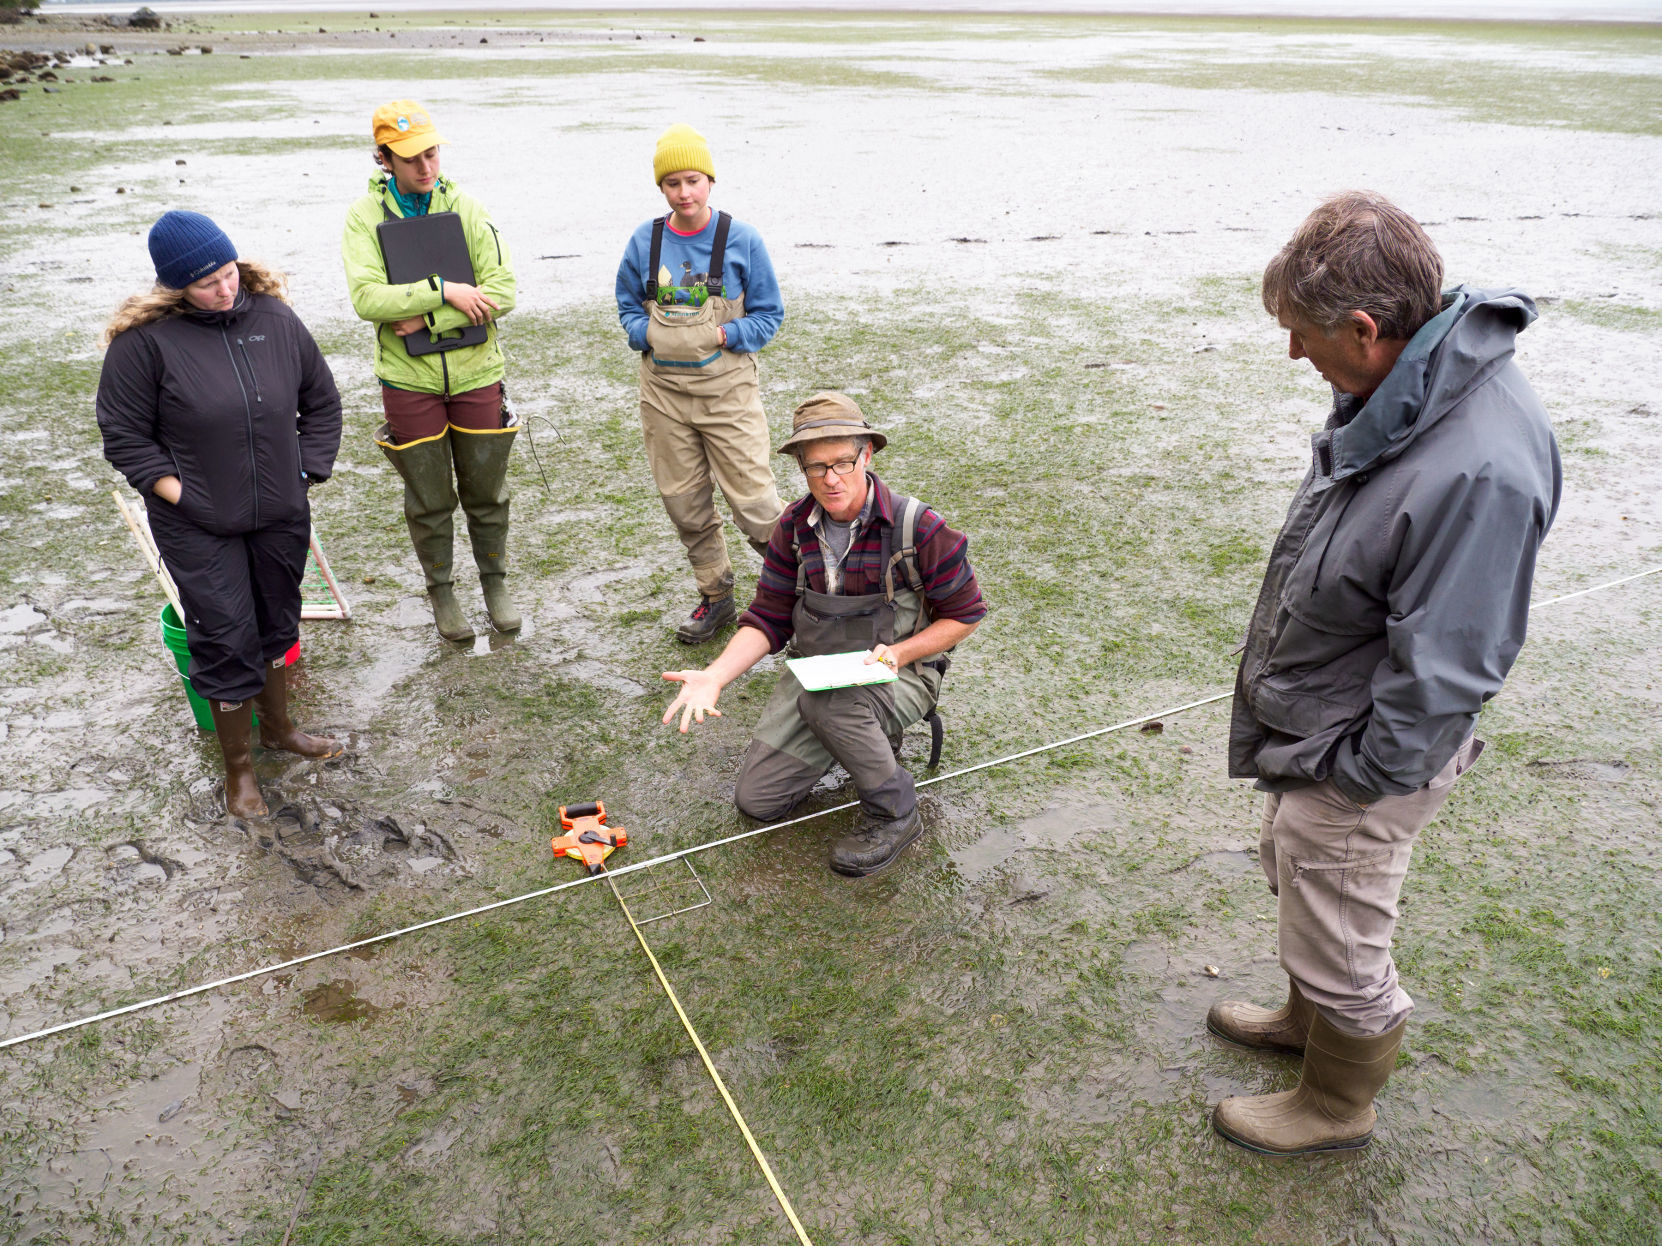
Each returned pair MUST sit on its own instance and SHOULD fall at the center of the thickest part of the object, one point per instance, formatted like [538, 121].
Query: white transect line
[1626, 579]
[667, 857]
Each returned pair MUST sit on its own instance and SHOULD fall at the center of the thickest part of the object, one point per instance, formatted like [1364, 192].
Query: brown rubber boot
[1264, 1029]
[277, 730]
[1331, 1109]
[234, 724]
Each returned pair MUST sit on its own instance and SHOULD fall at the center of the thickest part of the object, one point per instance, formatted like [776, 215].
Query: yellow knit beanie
[681, 147]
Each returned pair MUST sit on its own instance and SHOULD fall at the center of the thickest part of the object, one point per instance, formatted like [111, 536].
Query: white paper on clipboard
[839, 670]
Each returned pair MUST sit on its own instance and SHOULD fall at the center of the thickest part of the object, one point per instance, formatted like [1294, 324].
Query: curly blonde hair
[160, 301]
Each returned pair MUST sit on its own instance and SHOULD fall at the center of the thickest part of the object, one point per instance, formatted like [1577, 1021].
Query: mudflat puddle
[337, 1002]
[1050, 831]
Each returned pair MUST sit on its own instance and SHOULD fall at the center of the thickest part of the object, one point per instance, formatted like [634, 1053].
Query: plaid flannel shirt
[949, 581]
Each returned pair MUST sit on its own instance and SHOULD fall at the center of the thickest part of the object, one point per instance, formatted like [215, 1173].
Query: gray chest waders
[898, 613]
[801, 733]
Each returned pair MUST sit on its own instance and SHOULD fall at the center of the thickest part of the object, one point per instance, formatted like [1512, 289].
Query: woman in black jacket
[215, 401]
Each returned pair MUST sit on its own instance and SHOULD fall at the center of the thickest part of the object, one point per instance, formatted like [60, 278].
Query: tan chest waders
[703, 423]
[801, 733]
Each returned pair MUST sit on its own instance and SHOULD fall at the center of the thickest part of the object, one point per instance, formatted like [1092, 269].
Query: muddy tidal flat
[1030, 247]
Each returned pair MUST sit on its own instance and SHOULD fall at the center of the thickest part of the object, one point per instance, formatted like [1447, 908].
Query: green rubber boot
[1331, 1108]
[429, 507]
[482, 485]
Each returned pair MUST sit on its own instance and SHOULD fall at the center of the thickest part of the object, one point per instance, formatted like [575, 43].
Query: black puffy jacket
[239, 405]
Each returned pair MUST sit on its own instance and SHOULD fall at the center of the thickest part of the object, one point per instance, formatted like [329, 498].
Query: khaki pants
[702, 432]
[1336, 870]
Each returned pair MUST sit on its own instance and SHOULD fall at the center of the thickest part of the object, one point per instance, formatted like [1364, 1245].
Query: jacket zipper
[498, 239]
[444, 364]
[252, 375]
[248, 415]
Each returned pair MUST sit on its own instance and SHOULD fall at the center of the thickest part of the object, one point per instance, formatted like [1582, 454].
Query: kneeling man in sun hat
[853, 566]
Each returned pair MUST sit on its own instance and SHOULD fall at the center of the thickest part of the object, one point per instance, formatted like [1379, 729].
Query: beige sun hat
[830, 416]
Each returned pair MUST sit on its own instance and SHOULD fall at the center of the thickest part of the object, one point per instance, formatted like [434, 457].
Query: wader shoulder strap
[888, 557]
[655, 259]
[801, 571]
[907, 555]
[718, 253]
[713, 284]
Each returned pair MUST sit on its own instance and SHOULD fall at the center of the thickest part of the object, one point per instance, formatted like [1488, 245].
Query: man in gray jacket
[1394, 604]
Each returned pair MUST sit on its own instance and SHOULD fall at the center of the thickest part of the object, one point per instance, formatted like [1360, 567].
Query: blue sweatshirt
[746, 269]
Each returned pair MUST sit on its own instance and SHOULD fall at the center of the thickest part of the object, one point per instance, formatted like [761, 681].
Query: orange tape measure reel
[587, 836]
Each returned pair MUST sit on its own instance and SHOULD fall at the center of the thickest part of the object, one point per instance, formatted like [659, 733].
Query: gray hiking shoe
[708, 617]
[875, 844]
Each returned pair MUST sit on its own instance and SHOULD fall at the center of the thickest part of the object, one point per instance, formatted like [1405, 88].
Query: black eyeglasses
[842, 467]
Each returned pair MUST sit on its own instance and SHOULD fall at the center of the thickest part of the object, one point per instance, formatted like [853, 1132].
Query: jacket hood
[1452, 354]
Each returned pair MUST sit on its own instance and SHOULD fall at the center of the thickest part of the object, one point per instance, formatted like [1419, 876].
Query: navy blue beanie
[187, 246]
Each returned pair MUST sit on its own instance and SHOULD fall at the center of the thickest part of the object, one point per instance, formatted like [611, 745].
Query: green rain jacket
[443, 372]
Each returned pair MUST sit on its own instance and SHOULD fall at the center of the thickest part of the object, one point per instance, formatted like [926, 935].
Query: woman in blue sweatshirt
[697, 295]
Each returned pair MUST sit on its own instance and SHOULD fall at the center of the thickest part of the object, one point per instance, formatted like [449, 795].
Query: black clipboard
[416, 247]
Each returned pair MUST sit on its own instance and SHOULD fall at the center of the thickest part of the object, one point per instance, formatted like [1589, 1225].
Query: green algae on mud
[1021, 1036]
[997, 1040]
[1317, 58]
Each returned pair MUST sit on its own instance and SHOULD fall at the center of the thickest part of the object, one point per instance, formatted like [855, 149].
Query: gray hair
[1358, 251]
[859, 440]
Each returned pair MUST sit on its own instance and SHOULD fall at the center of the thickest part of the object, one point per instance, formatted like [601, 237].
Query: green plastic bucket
[173, 636]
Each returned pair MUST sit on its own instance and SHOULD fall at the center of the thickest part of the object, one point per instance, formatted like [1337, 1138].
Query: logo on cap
[403, 123]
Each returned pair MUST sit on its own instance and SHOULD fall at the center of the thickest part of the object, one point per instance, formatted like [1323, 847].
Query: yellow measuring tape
[738, 1117]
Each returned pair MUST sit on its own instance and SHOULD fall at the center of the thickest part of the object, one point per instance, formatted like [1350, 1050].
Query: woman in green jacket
[445, 409]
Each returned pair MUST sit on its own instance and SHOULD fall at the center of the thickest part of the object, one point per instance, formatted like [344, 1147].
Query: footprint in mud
[251, 1063]
[207, 793]
[336, 847]
[1584, 769]
[338, 1001]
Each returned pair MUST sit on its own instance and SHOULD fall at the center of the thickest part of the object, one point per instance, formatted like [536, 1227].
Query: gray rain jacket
[1397, 594]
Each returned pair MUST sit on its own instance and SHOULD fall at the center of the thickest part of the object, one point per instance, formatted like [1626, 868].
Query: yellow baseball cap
[404, 126]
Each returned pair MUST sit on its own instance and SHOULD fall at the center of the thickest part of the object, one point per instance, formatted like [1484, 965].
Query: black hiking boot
[875, 844]
[708, 617]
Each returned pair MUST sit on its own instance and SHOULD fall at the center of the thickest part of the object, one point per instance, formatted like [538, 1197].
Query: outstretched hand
[699, 690]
